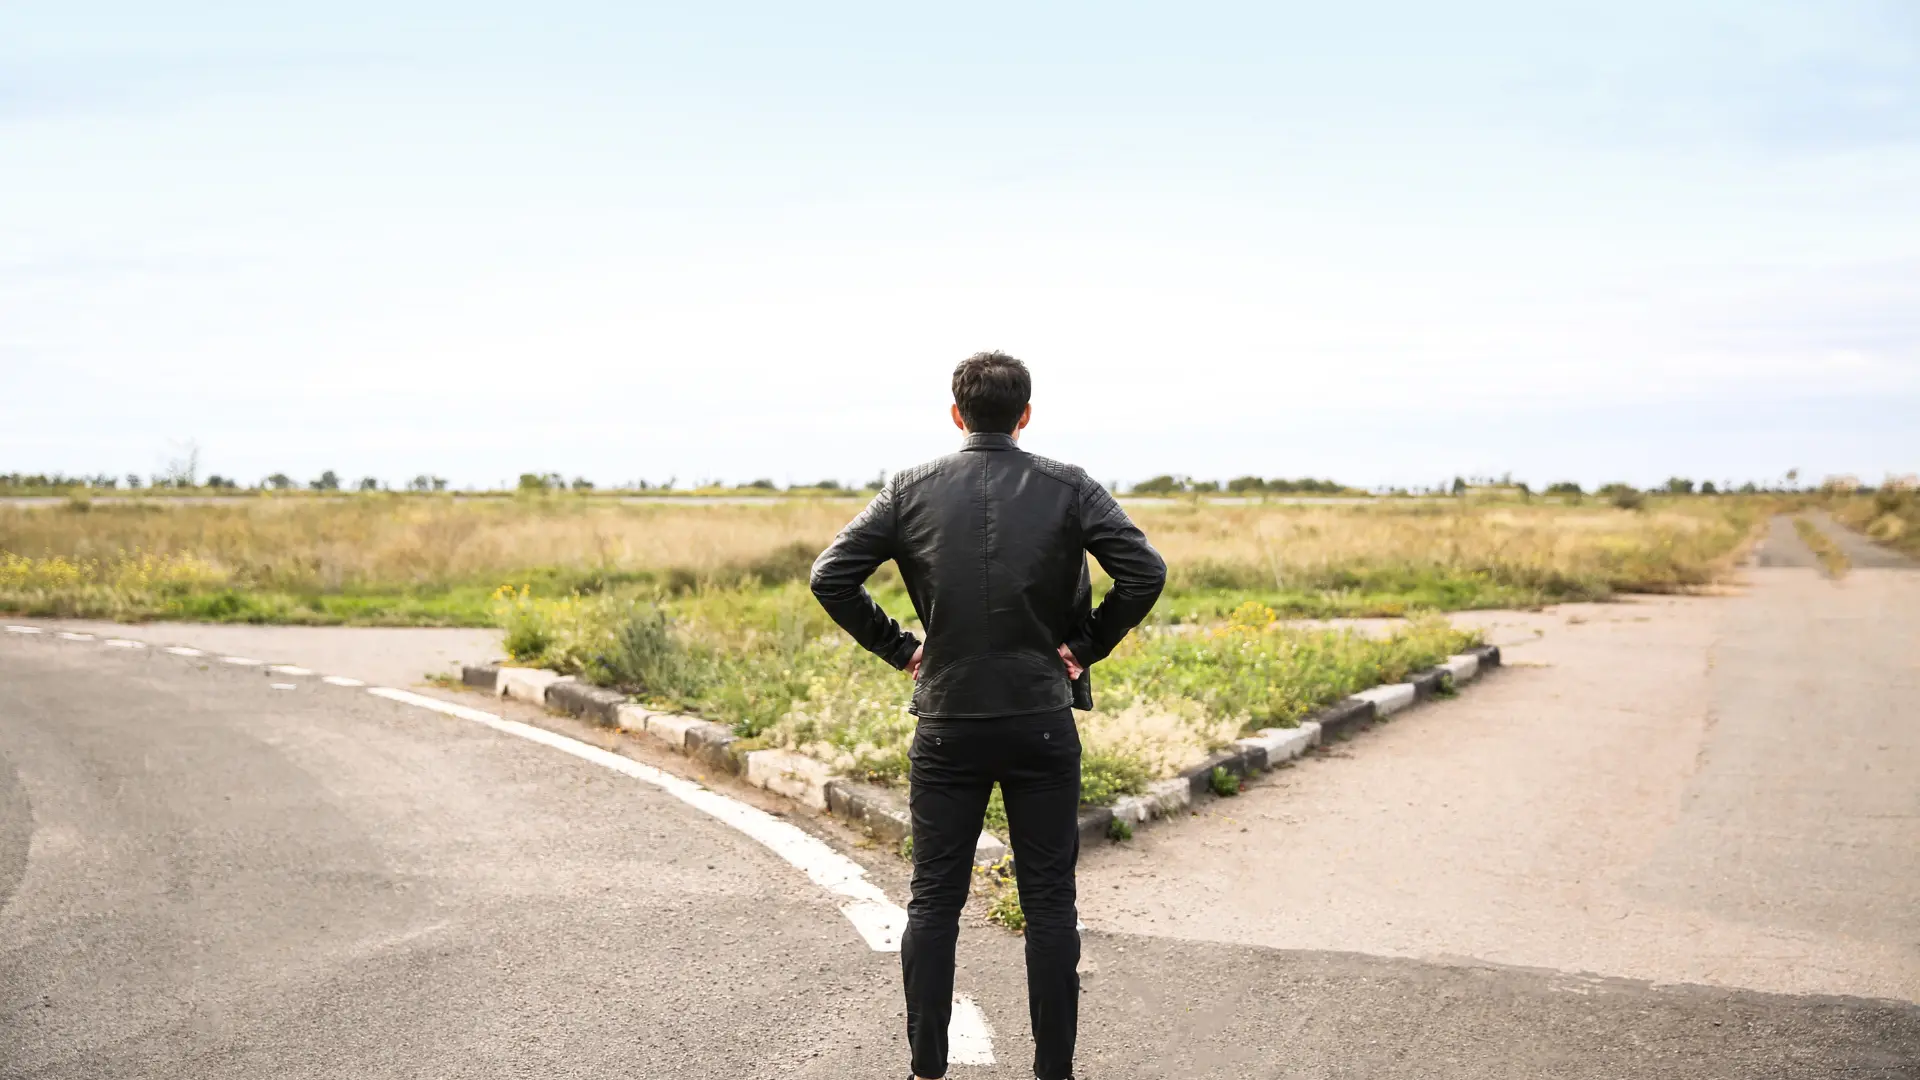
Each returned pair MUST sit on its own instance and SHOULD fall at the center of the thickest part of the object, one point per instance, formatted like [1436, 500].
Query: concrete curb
[882, 812]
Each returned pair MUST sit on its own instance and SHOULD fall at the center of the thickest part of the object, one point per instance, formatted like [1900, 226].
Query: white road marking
[71, 636]
[879, 920]
[969, 1036]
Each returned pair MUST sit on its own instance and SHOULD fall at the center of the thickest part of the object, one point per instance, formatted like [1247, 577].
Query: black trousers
[955, 763]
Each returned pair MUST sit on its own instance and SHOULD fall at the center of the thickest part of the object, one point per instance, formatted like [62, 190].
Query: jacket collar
[986, 440]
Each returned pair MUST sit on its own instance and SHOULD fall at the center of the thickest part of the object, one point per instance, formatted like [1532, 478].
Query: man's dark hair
[992, 390]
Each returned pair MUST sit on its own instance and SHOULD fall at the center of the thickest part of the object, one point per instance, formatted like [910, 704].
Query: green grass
[464, 605]
[458, 606]
[768, 662]
[1271, 676]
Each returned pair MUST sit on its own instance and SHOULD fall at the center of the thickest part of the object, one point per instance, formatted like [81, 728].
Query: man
[992, 544]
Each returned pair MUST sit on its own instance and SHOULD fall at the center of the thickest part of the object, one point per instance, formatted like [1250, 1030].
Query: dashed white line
[240, 660]
[341, 680]
[283, 686]
[124, 643]
[879, 920]
[12, 629]
[289, 669]
[184, 650]
[71, 636]
[969, 1036]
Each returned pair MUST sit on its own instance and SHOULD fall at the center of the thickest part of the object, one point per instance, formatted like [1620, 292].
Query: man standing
[992, 545]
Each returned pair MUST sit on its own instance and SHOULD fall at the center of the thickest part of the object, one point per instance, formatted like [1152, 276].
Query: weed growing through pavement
[1003, 894]
[1119, 829]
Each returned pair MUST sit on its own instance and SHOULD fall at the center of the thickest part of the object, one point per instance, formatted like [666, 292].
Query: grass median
[767, 662]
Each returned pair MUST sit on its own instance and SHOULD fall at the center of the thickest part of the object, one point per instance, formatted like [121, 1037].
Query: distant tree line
[326, 481]
[1171, 484]
[183, 474]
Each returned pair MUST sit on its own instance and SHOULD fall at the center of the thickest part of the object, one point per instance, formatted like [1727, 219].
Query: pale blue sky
[1390, 242]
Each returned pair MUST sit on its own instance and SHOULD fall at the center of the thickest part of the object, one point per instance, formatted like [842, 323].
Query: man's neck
[991, 440]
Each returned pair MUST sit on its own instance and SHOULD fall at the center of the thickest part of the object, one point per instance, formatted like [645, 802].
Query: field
[385, 559]
[704, 605]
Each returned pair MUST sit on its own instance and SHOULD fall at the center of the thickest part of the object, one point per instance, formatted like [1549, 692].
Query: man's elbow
[1153, 576]
[832, 592]
[820, 579]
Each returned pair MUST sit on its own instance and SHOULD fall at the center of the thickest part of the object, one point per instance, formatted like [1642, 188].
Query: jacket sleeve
[1137, 570]
[840, 576]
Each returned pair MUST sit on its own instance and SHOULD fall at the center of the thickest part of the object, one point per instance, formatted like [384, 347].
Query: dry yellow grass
[400, 540]
[292, 559]
[1683, 542]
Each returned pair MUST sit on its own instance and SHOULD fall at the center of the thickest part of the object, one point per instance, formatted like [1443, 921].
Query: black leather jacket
[992, 544]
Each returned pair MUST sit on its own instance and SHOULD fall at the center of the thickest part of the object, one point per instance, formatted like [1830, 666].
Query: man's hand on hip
[1074, 667]
[913, 665]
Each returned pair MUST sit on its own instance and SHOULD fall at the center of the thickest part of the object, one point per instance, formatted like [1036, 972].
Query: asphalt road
[204, 876]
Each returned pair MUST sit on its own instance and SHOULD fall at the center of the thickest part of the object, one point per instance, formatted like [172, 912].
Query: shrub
[1106, 776]
[1160, 485]
[643, 655]
[1223, 783]
[1119, 829]
[855, 720]
[527, 632]
[1624, 497]
[786, 563]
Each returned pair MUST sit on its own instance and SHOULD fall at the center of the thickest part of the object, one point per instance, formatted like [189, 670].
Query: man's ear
[1026, 414]
[958, 420]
